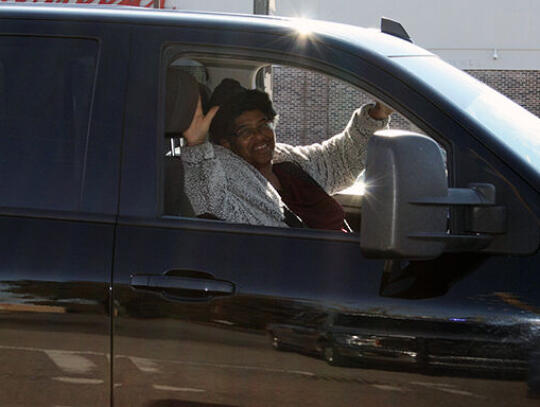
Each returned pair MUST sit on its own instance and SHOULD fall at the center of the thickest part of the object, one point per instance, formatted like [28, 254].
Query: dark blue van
[113, 293]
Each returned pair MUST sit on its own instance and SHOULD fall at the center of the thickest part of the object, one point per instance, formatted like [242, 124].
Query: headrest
[181, 98]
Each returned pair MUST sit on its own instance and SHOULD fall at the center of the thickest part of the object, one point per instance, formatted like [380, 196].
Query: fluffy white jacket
[221, 183]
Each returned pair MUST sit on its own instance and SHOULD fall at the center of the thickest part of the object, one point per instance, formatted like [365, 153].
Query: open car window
[311, 108]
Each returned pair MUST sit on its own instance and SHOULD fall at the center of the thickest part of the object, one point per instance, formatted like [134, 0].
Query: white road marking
[387, 387]
[202, 364]
[448, 388]
[71, 363]
[460, 392]
[435, 385]
[222, 366]
[171, 388]
[70, 352]
[78, 380]
[240, 367]
[300, 372]
[223, 321]
[145, 365]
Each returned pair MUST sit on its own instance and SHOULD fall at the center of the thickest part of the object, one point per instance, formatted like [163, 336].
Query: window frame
[171, 51]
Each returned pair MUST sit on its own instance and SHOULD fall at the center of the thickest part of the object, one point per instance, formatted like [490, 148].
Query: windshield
[510, 123]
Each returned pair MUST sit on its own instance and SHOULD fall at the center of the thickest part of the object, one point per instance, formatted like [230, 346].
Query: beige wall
[228, 6]
[467, 33]
[471, 34]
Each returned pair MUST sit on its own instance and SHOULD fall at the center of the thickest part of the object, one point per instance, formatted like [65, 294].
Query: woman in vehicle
[242, 175]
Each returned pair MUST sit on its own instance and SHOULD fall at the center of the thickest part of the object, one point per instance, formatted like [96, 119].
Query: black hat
[226, 91]
[233, 99]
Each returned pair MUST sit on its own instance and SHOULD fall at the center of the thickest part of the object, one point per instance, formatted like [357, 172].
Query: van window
[311, 108]
[45, 100]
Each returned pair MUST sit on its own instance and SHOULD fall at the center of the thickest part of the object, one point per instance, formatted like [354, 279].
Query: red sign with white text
[133, 3]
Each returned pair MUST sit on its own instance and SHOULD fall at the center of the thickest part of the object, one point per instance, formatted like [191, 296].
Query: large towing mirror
[405, 208]
[401, 167]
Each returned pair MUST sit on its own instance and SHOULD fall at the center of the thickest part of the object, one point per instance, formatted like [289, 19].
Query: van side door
[202, 305]
[61, 92]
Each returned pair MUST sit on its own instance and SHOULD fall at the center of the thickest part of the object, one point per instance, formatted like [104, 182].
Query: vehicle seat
[175, 201]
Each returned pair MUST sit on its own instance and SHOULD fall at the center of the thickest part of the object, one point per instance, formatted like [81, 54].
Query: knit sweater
[221, 183]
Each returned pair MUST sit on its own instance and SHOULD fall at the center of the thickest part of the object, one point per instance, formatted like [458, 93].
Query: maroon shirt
[306, 198]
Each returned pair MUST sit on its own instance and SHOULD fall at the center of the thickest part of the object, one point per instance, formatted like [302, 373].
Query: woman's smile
[255, 138]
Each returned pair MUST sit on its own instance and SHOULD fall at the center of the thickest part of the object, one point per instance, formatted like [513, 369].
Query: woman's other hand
[198, 129]
[380, 111]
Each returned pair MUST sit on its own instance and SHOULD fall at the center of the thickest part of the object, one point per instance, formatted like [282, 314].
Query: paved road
[193, 370]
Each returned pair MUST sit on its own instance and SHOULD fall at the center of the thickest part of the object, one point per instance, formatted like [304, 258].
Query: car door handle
[182, 288]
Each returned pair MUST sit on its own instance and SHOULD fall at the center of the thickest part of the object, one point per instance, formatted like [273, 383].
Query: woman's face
[255, 139]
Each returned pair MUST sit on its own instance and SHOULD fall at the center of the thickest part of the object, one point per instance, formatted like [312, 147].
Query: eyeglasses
[248, 132]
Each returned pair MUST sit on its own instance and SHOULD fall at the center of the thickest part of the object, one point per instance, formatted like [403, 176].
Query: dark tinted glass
[45, 100]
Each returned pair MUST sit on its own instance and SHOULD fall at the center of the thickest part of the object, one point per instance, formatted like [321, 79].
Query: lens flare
[303, 27]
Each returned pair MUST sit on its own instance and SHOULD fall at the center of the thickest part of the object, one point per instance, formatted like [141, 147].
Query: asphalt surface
[195, 365]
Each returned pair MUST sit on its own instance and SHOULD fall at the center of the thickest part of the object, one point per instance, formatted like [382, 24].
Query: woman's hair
[233, 100]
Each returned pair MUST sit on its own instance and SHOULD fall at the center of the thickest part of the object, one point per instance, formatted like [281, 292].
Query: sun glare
[303, 27]
[358, 188]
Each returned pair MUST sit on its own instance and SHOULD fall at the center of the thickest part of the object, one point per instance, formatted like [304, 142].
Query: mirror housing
[406, 206]
[401, 167]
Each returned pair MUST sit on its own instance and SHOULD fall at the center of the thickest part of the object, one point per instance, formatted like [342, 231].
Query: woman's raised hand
[198, 129]
[380, 111]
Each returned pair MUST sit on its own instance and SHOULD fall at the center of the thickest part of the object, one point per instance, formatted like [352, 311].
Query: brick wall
[301, 99]
[523, 87]
[313, 107]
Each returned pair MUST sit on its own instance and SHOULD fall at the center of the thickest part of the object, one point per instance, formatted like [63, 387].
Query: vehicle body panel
[474, 317]
[55, 273]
